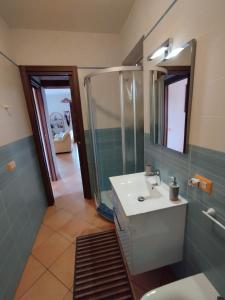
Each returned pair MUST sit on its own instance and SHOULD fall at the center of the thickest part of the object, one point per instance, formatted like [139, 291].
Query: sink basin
[196, 287]
[132, 186]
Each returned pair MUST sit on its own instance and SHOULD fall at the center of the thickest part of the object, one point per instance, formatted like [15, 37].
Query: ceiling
[100, 16]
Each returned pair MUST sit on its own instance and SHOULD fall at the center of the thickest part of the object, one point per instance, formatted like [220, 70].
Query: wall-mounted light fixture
[159, 52]
[174, 52]
[163, 50]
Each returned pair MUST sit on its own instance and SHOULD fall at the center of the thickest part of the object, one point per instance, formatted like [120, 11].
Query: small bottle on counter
[174, 189]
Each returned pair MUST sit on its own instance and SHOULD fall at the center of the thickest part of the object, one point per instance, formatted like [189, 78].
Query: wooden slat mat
[100, 272]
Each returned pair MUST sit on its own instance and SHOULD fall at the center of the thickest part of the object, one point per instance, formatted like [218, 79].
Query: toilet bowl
[196, 287]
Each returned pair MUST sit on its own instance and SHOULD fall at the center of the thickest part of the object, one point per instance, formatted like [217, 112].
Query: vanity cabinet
[152, 239]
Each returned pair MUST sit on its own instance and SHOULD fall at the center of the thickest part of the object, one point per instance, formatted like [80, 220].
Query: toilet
[196, 287]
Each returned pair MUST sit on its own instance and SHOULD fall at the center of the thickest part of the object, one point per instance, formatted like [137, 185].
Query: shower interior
[115, 139]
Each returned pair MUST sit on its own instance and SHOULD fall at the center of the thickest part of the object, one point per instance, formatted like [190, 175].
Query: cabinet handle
[114, 210]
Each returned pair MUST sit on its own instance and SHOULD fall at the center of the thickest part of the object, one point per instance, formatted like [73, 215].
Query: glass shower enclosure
[115, 140]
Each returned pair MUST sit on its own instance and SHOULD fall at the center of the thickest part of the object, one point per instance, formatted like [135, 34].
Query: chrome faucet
[150, 172]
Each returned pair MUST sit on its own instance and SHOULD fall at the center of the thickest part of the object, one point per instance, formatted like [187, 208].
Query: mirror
[171, 84]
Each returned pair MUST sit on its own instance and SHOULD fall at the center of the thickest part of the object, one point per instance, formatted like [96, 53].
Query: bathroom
[122, 52]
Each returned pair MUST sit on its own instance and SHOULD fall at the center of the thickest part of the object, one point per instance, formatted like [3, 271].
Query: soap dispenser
[174, 189]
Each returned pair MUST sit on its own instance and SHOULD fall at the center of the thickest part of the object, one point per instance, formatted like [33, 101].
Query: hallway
[49, 271]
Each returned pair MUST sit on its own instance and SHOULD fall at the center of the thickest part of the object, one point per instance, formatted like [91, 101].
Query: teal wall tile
[22, 206]
[210, 164]
[171, 163]
[4, 220]
[204, 247]
[10, 273]
[109, 154]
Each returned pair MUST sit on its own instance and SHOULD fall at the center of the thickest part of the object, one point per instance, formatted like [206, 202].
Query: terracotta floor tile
[63, 267]
[32, 272]
[69, 296]
[72, 215]
[75, 206]
[88, 214]
[74, 228]
[100, 222]
[73, 200]
[62, 201]
[43, 234]
[51, 210]
[91, 229]
[46, 288]
[47, 252]
[57, 220]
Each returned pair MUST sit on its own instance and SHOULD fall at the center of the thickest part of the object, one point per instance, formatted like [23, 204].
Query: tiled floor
[49, 271]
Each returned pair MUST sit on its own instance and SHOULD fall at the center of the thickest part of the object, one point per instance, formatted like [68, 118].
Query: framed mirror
[171, 85]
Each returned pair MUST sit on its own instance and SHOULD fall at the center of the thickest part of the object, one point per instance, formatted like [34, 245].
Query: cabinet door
[122, 228]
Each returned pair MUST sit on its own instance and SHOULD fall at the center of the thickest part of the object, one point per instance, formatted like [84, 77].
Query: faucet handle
[159, 175]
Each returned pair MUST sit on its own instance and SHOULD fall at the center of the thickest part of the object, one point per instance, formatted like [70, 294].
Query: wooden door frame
[43, 121]
[77, 121]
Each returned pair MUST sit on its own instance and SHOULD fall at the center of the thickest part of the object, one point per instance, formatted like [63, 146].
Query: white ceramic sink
[151, 232]
[130, 187]
[196, 287]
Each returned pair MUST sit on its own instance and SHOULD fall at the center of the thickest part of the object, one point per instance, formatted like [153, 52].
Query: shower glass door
[115, 128]
[129, 102]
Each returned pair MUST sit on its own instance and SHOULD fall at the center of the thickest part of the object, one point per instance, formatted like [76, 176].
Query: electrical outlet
[205, 184]
[11, 166]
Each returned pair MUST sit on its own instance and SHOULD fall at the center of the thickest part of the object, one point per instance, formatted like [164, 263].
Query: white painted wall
[143, 15]
[203, 20]
[106, 100]
[15, 123]
[43, 47]
[5, 41]
[105, 92]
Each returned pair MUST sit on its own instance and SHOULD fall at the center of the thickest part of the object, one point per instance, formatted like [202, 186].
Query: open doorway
[57, 104]
[53, 101]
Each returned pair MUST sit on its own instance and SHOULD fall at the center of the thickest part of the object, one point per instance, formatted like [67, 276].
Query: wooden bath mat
[100, 271]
